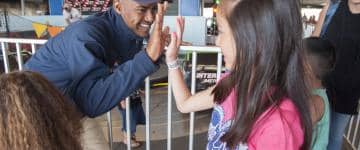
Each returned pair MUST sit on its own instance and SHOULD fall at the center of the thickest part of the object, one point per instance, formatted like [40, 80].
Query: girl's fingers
[165, 32]
[173, 48]
[179, 29]
[173, 41]
[165, 35]
[182, 24]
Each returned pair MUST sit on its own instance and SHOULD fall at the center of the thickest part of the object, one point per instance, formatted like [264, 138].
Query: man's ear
[117, 6]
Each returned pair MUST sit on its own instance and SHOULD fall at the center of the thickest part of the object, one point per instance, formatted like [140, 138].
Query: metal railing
[352, 135]
[195, 50]
[5, 51]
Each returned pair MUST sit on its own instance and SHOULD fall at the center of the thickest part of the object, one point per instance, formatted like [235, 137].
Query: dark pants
[338, 123]
[137, 115]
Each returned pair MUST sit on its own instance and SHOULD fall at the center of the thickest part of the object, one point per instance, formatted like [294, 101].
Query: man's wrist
[151, 56]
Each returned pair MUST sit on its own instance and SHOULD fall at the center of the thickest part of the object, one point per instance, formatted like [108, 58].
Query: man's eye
[142, 10]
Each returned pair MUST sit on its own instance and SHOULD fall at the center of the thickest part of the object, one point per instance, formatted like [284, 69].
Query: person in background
[262, 101]
[35, 115]
[71, 14]
[137, 117]
[339, 22]
[321, 58]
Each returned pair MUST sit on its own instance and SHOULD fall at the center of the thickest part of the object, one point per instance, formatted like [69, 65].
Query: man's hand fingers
[158, 23]
[159, 17]
[165, 7]
[160, 9]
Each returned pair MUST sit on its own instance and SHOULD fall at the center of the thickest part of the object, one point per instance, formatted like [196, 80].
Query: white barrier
[193, 49]
[352, 135]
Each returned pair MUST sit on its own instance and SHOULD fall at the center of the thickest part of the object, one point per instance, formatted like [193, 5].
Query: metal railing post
[350, 127]
[109, 124]
[169, 113]
[147, 114]
[219, 66]
[193, 91]
[5, 57]
[128, 130]
[33, 49]
[356, 130]
[19, 56]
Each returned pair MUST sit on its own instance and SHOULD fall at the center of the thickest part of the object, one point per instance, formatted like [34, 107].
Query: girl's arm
[185, 102]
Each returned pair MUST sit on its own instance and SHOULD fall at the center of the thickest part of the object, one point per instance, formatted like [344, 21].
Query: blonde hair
[34, 115]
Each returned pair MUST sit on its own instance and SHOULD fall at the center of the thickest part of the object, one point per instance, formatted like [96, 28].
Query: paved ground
[180, 143]
[158, 120]
[158, 123]
[158, 113]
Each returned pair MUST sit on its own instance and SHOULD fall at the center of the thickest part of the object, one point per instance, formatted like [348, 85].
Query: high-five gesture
[157, 39]
[176, 40]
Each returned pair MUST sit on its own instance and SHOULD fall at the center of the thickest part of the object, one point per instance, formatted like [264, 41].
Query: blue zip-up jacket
[79, 61]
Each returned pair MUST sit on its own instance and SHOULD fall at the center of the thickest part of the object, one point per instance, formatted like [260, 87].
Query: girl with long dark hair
[262, 101]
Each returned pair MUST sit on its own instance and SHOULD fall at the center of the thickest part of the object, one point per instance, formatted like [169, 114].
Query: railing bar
[200, 49]
[358, 147]
[19, 56]
[356, 129]
[193, 90]
[128, 130]
[349, 127]
[147, 105]
[193, 49]
[219, 66]
[32, 48]
[22, 40]
[5, 57]
[358, 140]
[169, 117]
[109, 124]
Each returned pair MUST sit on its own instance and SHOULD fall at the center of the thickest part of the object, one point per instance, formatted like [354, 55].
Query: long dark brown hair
[34, 115]
[268, 37]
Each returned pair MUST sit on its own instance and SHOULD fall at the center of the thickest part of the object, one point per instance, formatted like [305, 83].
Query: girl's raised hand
[176, 40]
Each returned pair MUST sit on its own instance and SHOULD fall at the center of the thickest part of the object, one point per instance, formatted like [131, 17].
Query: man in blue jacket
[80, 60]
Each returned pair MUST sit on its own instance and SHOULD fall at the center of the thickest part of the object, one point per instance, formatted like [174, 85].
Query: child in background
[321, 58]
[34, 115]
[137, 117]
[262, 102]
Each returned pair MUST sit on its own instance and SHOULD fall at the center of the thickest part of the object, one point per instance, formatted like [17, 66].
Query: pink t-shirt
[277, 128]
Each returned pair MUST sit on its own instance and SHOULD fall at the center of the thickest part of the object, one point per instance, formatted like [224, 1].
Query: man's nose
[149, 16]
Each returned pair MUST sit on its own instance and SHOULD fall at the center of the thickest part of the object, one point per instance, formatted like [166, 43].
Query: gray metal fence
[352, 134]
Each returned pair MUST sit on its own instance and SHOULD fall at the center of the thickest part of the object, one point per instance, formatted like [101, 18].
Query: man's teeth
[145, 25]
